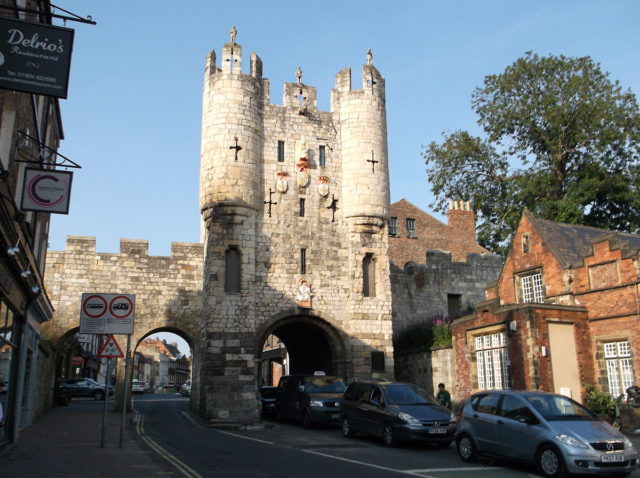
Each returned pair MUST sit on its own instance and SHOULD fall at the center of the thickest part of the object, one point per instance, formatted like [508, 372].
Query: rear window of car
[324, 384]
[485, 403]
[357, 392]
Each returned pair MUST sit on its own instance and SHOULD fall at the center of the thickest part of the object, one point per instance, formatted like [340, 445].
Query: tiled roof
[570, 243]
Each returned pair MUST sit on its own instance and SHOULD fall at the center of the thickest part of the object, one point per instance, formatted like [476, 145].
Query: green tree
[561, 139]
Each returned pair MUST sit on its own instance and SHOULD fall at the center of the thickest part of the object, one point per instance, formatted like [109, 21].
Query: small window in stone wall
[604, 275]
[232, 271]
[281, 151]
[303, 261]
[368, 276]
[454, 305]
[377, 361]
[321, 156]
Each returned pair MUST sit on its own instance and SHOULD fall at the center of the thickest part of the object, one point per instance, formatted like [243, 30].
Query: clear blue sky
[132, 119]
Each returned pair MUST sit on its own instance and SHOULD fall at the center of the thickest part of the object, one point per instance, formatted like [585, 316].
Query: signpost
[110, 349]
[107, 313]
[110, 314]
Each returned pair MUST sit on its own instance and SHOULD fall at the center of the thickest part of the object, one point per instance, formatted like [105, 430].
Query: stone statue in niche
[302, 166]
[304, 294]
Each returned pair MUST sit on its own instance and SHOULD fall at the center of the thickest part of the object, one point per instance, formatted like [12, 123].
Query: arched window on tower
[368, 276]
[232, 270]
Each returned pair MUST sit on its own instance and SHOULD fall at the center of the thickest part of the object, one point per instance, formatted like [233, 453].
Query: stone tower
[295, 205]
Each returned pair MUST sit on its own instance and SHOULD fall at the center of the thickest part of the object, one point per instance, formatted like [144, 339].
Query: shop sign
[35, 57]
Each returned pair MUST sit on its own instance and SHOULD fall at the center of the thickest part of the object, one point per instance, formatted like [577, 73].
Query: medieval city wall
[168, 290]
[420, 291]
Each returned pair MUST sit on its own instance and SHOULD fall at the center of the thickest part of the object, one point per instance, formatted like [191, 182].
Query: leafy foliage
[599, 402]
[561, 140]
[433, 333]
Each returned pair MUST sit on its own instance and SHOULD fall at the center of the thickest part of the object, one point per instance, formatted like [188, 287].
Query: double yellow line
[180, 466]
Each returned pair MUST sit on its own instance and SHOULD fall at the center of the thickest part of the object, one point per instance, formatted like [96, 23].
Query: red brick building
[563, 314]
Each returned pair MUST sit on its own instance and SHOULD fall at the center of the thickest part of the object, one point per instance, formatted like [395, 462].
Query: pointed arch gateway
[311, 343]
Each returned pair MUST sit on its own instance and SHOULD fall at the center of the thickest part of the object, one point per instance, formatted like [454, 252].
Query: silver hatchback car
[556, 433]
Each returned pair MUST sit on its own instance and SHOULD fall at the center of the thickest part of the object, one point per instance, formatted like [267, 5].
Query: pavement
[66, 442]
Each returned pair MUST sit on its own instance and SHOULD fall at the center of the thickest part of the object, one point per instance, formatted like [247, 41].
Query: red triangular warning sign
[110, 349]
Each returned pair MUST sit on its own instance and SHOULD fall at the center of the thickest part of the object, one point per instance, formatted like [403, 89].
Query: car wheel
[306, 421]
[346, 428]
[98, 395]
[550, 462]
[388, 436]
[467, 448]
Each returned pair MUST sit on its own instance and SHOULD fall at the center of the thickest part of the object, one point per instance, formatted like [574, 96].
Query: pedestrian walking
[443, 396]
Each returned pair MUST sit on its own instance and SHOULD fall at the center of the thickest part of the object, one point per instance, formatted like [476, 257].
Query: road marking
[439, 470]
[246, 438]
[179, 465]
[370, 465]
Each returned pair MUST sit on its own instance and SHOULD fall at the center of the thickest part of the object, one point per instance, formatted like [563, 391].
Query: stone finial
[299, 75]
[369, 57]
[232, 35]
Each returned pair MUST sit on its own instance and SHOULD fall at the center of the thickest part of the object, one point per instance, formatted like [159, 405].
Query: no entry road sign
[107, 313]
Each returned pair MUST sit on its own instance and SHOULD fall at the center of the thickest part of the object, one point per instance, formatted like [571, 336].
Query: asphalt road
[288, 451]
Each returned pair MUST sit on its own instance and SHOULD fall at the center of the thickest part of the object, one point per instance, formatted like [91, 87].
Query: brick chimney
[460, 216]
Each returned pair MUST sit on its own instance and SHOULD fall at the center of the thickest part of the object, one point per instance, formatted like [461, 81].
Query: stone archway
[172, 375]
[312, 343]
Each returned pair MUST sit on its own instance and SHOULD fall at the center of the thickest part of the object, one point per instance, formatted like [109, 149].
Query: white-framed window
[619, 367]
[492, 361]
[531, 288]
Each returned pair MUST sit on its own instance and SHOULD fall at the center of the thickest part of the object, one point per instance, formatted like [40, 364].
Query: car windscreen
[269, 392]
[325, 384]
[559, 407]
[404, 394]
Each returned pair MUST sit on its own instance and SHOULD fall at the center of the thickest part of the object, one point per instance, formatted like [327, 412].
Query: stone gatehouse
[295, 209]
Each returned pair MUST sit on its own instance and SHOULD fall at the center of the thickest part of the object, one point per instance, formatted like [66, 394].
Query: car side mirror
[376, 403]
[301, 388]
[528, 419]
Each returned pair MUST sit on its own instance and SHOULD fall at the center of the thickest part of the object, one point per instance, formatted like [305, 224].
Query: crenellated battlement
[132, 247]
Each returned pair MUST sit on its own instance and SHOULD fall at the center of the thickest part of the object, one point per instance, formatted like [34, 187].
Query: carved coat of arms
[323, 186]
[282, 184]
[302, 176]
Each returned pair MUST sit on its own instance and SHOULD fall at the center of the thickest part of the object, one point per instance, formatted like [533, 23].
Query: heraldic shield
[302, 176]
[282, 183]
[323, 186]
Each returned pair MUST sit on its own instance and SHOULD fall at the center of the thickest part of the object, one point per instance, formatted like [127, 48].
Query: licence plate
[612, 458]
[439, 431]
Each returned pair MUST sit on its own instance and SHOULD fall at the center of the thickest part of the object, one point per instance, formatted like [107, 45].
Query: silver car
[556, 433]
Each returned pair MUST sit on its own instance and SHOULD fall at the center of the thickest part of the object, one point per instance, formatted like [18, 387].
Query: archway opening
[300, 345]
[162, 363]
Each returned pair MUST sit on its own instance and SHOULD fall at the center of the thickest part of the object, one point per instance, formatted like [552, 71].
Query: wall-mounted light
[13, 250]
[35, 289]
[26, 273]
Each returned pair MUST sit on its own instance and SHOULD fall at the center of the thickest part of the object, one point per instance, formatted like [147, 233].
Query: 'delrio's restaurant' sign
[35, 57]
